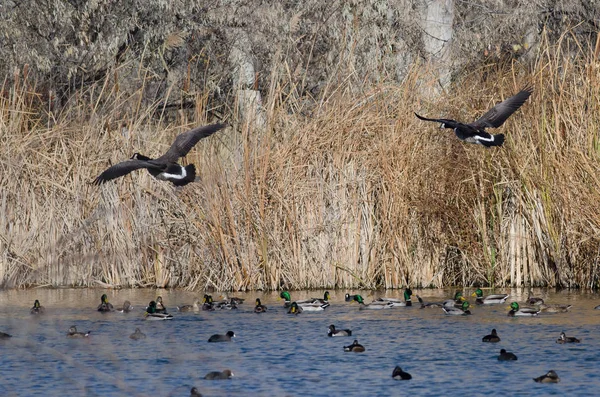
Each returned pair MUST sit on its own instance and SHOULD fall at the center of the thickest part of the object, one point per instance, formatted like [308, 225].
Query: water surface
[276, 354]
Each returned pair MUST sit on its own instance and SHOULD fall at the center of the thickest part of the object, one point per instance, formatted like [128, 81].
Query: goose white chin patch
[166, 176]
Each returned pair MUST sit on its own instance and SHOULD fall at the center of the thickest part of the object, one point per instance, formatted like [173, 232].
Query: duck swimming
[164, 167]
[137, 335]
[194, 307]
[397, 302]
[398, 374]
[506, 356]
[490, 299]
[355, 347]
[226, 374]
[208, 304]
[515, 310]
[74, 334]
[105, 306]
[554, 308]
[462, 311]
[475, 132]
[222, 338]
[549, 377]
[338, 332]
[259, 307]
[566, 339]
[152, 315]
[375, 305]
[532, 300]
[493, 337]
[126, 307]
[430, 305]
[295, 309]
[37, 308]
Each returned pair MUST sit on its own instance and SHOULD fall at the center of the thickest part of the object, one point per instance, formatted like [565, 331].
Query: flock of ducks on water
[156, 310]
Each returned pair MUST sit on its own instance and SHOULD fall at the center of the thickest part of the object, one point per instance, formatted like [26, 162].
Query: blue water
[276, 354]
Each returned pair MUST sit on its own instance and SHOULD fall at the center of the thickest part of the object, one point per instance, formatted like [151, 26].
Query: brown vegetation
[346, 190]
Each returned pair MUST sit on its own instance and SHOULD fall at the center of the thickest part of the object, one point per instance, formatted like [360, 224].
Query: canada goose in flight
[475, 132]
[165, 167]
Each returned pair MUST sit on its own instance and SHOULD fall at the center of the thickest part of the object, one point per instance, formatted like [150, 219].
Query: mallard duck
[295, 309]
[152, 315]
[475, 132]
[506, 356]
[222, 338]
[566, 339]
[493, 337]
[532, 300]
[316, 304]
[164, 167]
[398, 374]
[597, 307]
[354, 347]
[338, 332]
[74, 334]
[549, 377]
[554, 308]
[137, 335]
[227, 374]
[105, 306]
[523, 311]
[232, 299]
[126, 307]
[195, 393]
[397, 302]
[231, 305]
[37, 308]
[259, 307]
[430, 305]
[490, 299]
[4, 335]
[208, 304]
[455, 311]
[194, 307]
[375, 305]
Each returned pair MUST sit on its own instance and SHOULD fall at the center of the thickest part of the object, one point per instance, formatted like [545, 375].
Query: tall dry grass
[344, 191]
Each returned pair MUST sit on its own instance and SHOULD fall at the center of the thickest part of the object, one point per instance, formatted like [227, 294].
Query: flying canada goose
[165, 167]
[475, 132]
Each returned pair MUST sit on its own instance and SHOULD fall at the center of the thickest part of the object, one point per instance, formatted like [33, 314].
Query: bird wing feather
[497, 115]
[124, 168]
[186, 141]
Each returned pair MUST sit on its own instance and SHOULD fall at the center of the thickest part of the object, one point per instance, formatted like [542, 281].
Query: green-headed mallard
[137, 335]
[397, 302]
[194, 307]
[566, 339]
[74, 334]
[515, 310]
[338, 332]
[152, 315]
[314, 304]
[222, 338]
[208, 304]
[398, 374]
[375, 305]
[354, 347]
[549, 377]
[37, 308]
[105, 306]
[455, 311]
[126, 307]
[493, 337]
[227, 374]
[287, 298]
[259, 307]
[490, 299]
[554, 308]
[295, 309]
[506, 356]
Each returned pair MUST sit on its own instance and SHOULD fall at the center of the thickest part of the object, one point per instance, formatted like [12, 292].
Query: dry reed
[346, 191]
